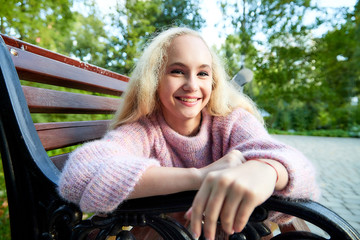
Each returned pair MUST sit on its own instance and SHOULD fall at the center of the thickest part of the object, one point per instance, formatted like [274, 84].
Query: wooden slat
[64, 134]
[296, 225]
[53, 72]
[50, 101]
[16, 43]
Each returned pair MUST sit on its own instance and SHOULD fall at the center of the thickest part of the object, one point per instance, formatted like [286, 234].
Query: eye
[203, 74]
[176, 71]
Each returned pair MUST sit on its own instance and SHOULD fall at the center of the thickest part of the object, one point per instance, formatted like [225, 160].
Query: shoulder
[239, 123]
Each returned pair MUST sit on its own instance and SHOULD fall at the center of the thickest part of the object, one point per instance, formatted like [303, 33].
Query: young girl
[183, 127]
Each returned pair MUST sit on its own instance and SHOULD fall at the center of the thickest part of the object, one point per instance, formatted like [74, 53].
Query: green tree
[235, 56]
[87, 39]
[41, 22]
[135, 21]
[283, 69]
[274, 20]
[337, 60]
[295, 73]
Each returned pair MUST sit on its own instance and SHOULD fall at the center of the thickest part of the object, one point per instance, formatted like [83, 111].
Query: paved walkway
[338, 163]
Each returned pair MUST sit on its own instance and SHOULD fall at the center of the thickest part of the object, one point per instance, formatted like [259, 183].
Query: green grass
[321, 133]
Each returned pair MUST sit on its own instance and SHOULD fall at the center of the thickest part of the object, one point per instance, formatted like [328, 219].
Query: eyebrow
[183, 65]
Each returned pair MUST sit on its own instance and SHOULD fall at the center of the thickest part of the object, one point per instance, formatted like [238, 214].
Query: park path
[338, 164]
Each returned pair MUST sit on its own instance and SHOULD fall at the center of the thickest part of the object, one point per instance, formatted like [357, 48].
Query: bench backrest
[49, 80]
[35, 64]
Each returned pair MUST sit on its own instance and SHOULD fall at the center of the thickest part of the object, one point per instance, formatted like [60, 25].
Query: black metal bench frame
[36, 210]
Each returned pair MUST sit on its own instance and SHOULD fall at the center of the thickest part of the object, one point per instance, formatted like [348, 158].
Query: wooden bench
[36, 210]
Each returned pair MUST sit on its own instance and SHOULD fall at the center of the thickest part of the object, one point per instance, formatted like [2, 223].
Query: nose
[191, 83]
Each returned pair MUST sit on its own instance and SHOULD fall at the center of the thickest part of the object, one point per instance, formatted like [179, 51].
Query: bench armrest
[151, 212]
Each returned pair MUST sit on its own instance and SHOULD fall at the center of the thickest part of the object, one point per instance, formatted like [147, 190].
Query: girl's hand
[230, 160]
[231, 194]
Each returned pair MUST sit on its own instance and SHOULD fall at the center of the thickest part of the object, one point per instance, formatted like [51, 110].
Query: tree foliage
[41, 22]
[302, 81]
[337, 60]
[271, 20]
[87, 40]
[136, 21]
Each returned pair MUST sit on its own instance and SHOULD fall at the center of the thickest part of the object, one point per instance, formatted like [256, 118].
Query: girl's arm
[101, 174]
[251, 138]
[167, 180]
[220, 184]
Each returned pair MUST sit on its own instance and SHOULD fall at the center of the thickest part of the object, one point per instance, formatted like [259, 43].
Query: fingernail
[195, 236]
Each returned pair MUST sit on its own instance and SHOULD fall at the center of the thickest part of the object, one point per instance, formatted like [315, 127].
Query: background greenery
[308, 83]
[305, 81]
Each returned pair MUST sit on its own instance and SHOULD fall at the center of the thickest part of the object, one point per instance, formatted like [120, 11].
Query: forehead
[189, 49]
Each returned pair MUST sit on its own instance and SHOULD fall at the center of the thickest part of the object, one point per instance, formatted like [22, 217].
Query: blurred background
[304, 54]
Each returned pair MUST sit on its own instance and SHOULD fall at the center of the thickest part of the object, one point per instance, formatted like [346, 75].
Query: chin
[189, 116]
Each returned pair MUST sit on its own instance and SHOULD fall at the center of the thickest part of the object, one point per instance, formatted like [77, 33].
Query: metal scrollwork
[66, 220]
[255, 229]
[105, 226]
[168, 228]
[101, 226]
[61, 221]
[65, 223]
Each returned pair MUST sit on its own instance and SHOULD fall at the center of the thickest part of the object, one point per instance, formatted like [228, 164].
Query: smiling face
[186, 84]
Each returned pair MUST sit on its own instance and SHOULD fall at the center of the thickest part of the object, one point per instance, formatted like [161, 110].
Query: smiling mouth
[190, 100]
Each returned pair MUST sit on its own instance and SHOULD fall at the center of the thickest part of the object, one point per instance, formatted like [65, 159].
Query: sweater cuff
[302, 175]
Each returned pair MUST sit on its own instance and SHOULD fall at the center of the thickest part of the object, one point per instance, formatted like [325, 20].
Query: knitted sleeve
[101, 174]
[249, 136]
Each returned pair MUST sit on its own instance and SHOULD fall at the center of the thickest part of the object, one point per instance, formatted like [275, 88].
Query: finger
[239, 155]
[229, 210]
[246, 207]
[188, 213]
[214, 206]
[198, 208]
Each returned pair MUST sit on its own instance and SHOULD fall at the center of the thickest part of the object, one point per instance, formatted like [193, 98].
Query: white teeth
[188, 99]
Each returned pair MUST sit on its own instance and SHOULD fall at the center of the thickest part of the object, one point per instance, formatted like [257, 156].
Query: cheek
[208, 90]
[162, 94]
[169, 87]
[162, 87]
[165, 92]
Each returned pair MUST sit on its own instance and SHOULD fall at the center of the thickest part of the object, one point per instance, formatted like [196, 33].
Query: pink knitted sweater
[101, 174]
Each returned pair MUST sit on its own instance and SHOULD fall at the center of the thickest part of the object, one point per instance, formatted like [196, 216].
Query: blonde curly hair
[141, 97]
